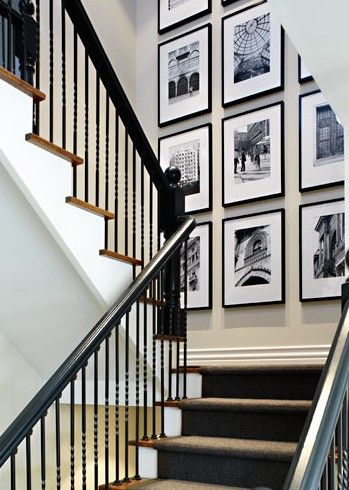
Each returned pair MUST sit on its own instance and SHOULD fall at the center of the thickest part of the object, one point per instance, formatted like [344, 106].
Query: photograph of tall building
[330, 251]
[329, 136]
[172, 4]
[186, 157]
[253, 256]
[184, 72]
[252, 48]
[193, 265]
[252, 152]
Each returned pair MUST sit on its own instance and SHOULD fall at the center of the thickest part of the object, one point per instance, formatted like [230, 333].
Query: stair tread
[180, 484]
[54, 149]
[123, 258]
[221, 446]
[89, 207]
[244, 404]
[21, 85]
[260, 368]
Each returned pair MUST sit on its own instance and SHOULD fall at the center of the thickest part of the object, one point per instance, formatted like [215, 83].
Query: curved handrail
[36, 409]
[308, 463]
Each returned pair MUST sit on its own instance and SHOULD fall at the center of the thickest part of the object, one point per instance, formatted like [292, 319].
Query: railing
[98, 360]
[321, 461]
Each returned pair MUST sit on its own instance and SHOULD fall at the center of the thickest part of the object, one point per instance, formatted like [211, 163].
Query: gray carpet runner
[243, 433]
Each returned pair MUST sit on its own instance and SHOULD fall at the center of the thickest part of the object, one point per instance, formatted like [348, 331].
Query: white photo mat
[316, 288]
[273, 80]
[261, 293]
[201, 200]
[196, 103]
[254, 189]
[183, 10]
[321, 175]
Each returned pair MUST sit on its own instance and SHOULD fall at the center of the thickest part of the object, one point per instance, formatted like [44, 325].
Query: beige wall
[292, 324]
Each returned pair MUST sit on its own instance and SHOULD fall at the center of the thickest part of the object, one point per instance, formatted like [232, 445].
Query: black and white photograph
[253, 254]
[190, 151]
[253, 155]
[184, 65]
[175, 13]
[252, 54]
[321, 143]
[196, 263]
[322, 250]
[304, 74]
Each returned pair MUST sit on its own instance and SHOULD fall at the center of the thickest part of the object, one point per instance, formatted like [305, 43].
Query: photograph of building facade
[193, 264]
[184, 72]
[330, 252]
[186, 157]
[329, 136]
[172, 4]
[252, 48]
[253, 256]
[252, 152]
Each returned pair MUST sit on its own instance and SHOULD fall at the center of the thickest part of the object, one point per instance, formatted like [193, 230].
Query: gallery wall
[283, 331]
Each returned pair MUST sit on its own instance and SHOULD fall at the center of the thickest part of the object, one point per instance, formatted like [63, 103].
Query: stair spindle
[75, 112]
[106, 414]
[137, 476]
[83, 429]
[36, 112]
[43, 452]
[185, 346]
[98, 121]
[117, 408]
[127, 380]
[51, 73]
[95, 419]
[13, 471]
[28, 460]
[72, 434]
[106, 185]
[116, 206]
[87, 126]
[10, 49]
[58, 443]
[64, 82]
[126, 192]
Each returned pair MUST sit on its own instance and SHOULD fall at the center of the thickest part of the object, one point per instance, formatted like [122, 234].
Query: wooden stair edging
[103, 213]
[21, 85]
[173, 338]
[123, 485]
[142, 443]
[190, 370]
[54, 149]
[116, 256]
[152, 301]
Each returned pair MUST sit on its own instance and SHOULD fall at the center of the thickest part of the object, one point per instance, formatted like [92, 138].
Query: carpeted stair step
[183, 485]
[278, 382]
[278, 420]
[217, 460]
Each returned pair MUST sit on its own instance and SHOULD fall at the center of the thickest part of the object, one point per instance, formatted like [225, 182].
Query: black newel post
[172, 209]
[26, 41]
[345, 286]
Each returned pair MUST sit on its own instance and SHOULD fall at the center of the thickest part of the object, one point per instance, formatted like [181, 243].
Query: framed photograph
[254, 259]
[253, 155]
[196, 267]
[184, 71]
[321, 144]
[321, 250]
[304, 74]
[191, 152]
[253, 54]
[175, 13]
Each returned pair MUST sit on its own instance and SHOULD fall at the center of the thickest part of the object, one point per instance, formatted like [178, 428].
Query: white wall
[268, 327]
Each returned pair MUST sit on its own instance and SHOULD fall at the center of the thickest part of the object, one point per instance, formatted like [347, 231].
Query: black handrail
[36, 409]
[106, 72]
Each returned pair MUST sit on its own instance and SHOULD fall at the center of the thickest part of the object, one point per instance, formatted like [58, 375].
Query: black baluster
[10, 48]
[137, 475]
[127, 377]
[116, 205]
[36, 125]
[28, 459]
[126, 192]
[345, 441]
[64, 84]
[98, 117]
[106, 414]
[23, 57]
[142, 215]
[162, 361]
[51, 73]
[87, 127]
[75, 114]
[13, 471]
[43, 452]
[3, 53]
[117, 408]
[177, 369]
[145, 369]
[58, 444]
[83, 428]
[153, 307]
[169, 317]
[95, 420]
[106, 191]
[185, 352]
[134, 206]
[72, 435]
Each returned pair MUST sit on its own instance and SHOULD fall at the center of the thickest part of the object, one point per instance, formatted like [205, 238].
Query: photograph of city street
[329, 136]
[193, 265]
[329, 254]
[186, 157]
[172, 4]
[252, 152]
[252, 256]
[252, 48]
[184, 73]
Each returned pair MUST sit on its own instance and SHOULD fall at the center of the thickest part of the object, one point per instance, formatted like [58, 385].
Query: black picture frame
[175, 25]
[301, 257]
[207, 106]
[262, 93]
[281, 193]
[301, 79]
[307, 188]
[282, 259]
[208, 305]
[225, 3]
[207, 126]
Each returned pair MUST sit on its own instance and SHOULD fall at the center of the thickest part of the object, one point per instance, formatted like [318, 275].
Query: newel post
[26, 41]
[345, 286]
[172, 211]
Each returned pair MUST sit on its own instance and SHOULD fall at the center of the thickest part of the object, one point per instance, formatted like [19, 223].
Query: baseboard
[294, 354]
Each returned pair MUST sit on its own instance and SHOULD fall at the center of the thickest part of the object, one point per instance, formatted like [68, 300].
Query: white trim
[294, 354]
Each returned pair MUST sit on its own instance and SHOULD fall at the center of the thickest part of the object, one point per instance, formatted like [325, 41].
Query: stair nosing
[23, 86]
[213, 404]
